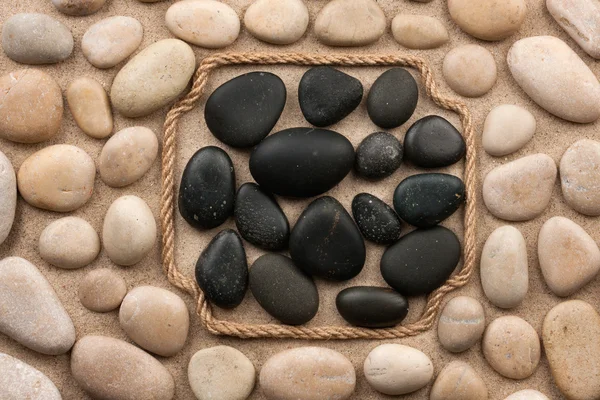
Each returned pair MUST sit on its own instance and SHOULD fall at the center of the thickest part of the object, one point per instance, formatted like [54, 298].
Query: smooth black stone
[301, 162]
[222, 270]
[433, 142]
[392, 98]
[375, 219]
[259, 218]
[378, 155]
[207, 189]
[421, 261]
[283, 289]
[325, 242]
[371, 307]
[327, 96]
[425, 200]
[241, 112]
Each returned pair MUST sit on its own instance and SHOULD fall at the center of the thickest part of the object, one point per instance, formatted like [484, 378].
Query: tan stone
[461, 324]
[102, 290]
[8, 196]
[527, 394]
[69, 243]
[581, 20]
[580, 176]
[78, 7]
[19, 380]
[111, 40]
[277, 21]
[507, 128]
[470, 70]
[90, 107]
[419, 31]
[458, 381]
[488, 19]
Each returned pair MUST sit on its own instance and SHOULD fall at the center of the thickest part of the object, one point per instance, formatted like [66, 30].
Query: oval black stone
[259, 218]
[283, 289]
[378, 155]
[375, 219]
[392, 98]
[325, 242]
[327, 96]
[433, 142]
[207, 189]
[425, 200]
[301, 162]
[222, 270]
[241, 112]
[421, 261]
[371, 307]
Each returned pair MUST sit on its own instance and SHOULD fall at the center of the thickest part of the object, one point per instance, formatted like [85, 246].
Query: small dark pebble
[392, 98]
[433, 142]
[376, 220]
[371, 307]
[379, 155]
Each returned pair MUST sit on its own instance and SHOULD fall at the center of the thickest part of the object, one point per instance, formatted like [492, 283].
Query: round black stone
[378, 155]
[259, 218]
[421, 261]
[433, 142]
[425, 200]
[325, 242]
[301, 162]
[371, 307]
[207, 189]
[241, 112]
[327, 96]
[283, 290]
[392, 98]
[375, 219]
[222, 270]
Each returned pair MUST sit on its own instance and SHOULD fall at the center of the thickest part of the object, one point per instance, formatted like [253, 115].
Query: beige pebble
[111, 40]
[20, 381]
[32, 106]
[571, 336]
[458, 381]
[395, 369]
[90, 107]
[461, 324]
[32, 313]
[504, 267]
[8, 196]
[512, 347]
[307, 373]
[221, 373]
[419, 31]
[108, 368]
[569, 257]
[69, 243]
[527, 394]
[127, 156]
[78, 7]
[129, 230]
[277, 21]
[520, 190]
[580, 176]
[470, 70]
[57, 178]
[581, 20]
[507, 128]
[488, 19]
[332, 26]
[102, 290]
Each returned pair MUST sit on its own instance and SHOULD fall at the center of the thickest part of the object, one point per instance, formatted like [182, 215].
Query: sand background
[553, 136]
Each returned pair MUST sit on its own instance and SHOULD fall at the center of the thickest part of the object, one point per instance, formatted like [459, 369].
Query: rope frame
[168, 198]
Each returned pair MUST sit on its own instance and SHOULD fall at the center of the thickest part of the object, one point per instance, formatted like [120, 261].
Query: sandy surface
[553, 136]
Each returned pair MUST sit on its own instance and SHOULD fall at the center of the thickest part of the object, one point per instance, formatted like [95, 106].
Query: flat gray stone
[20, 381]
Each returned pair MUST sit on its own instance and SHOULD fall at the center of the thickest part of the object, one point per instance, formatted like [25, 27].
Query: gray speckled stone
[19, 380]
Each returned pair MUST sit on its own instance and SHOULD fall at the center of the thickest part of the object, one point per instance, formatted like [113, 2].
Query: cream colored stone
[78, 7]
[520, 190]
[69, 243]
[8, 197]
[419, 31]
[527, 394]
[20, 381]
[277, 21]
[32, 106]
[458, 381]
[127, 156]
[581, 20]
[461, 324]
[57, 178]
[580, 176]
[507, 128]
[90, 107]
[488, 19]
[102, 290]
[470, 70]
[111, 40]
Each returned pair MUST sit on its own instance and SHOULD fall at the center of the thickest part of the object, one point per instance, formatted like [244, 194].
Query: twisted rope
[204, 310]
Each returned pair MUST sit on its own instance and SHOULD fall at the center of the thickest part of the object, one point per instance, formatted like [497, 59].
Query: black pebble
[241, 112]
[392, 98]
[325, 242]
[375, 219]
[301, 162]
[371, 307]
[222, 270]
[433, 142]
[327, 95]
[421, 261]
[207, 189]
[378, 155]
[283, 290]
[259, 218]
[425, 200]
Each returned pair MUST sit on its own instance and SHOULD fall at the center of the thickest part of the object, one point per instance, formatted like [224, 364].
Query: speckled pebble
[78, 7]
[458, 381]
[470, 70]
[580, 176]
[277, 21]
[20, 381]
[102, 290]
[69, 243]
[8, 196]
[365, 16]
[111, 40]
[379, 155]
[461, 324]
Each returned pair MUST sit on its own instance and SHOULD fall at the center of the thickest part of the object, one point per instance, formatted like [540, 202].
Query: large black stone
[327, 96]
[259, 218]
[222, 270]
[207, 189]
[425, 200]
[421, 261]
[375, 219]
[283, 290]
[378, 155]
[242, 111]
[371, 307]
[392, 98]
[301, 162]
[325, 242]
[433, 142]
